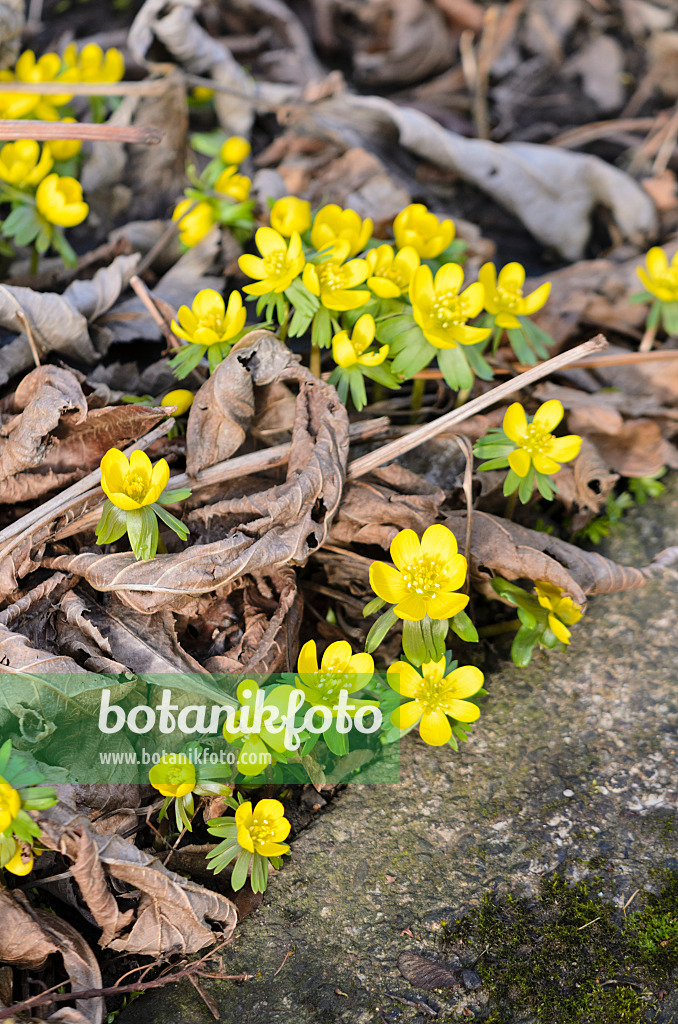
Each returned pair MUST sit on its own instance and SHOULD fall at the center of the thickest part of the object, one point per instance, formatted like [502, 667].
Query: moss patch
[571, 955]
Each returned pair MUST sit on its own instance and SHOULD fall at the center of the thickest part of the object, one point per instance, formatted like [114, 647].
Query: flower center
[536, 440]
[135, 486]
[423, 577]
[177, 776]
[262, 832]
[668, 278]
[329, 682]
[396, 275]
[448, 309]
[213, 322]
[510, 298]
[431, 693]
[332, 276]
[275, 263]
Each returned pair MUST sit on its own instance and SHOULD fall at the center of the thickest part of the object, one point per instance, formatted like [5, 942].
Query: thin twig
[148, 87]
[149, 302]
[23, 319]
[647, 341]
[394, 449]
[169, 232]
[591, 363]
[45, 130]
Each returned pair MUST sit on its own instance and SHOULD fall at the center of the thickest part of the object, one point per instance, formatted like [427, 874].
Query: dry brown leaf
[628, 447]
[392, 498]
[40, 401]
[422, 972]
[500, 547]
[586, 483]
[86, 871]
[29, 936]
[173, 914]
[258, 532]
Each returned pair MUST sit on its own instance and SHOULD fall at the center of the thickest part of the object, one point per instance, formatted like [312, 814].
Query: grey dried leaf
[173, 914]
[393, 498]
[29, 936]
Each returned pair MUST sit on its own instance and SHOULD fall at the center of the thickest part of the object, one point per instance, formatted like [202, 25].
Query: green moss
[570, 955]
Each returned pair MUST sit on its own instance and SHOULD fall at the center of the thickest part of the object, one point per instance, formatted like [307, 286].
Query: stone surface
[573, 761]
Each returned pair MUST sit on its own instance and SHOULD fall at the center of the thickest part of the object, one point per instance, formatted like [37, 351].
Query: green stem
[417, 397]
[511, 503]
[284, 327]
[497, 628]
[462, 397]
[35, 260]
[315, 361]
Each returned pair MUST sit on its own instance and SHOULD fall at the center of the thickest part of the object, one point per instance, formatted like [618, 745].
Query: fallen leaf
[628, 447]
[393, 498]
[29, 937]
[424, 973]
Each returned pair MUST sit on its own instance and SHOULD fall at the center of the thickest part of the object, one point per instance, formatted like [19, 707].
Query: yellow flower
[209, 321]
[660, 278]
[434, 697]
[60, 201]
[10, 804]
[291, 214]
[347, 351]
[195, 225]
[259, 748]
[279, 265]
[27, 69]
[235, 150]
[391, 272]
[131, 485]
[64, 149]
[563, 612]
[425, 575]
[22, 163]
[332, 224]
[536, 444]
[230, 183]
[21, 863]
[422, 230]
[174, 775]
[182, 398]
[262, 830]
[504, 296]
[340, 669]
[93, 64]
[201, 94]
[441, 311]
[334, 281]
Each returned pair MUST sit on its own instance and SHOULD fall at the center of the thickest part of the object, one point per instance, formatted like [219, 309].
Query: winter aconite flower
[10, 804]
[659, 276]
[349, 349]
[194, 221]
[210, 326]
[434, 698]
[21, 863]
[391, 272]
[47, 68]
[331, 224]
[415, 226]
[235, 150]
[425, 576]
[173, 776]
[65, 149]
[134, 484]
[291, 214]
[504, 294]
[253, 836]
[340, 669]
[280, 263]
[265, 747]
[60, 201]
[442, 311]
[23, 164]
[562, 611]
[535, 442]
[93, 64]
[235, 186]
[334, 282]
[181, 398]
[176, 778]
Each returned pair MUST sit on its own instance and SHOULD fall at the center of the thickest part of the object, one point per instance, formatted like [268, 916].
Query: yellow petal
[462, 710]
[536, 299]
[361, 666]
[245, 840]
[405, 548]
[270, 810]
[114, 469]
[406, 715]
[208, 303]
[310, 279]
[543, 464]
[487, 275]
[438, 542]
[657, 262]
[421, 287]
[140, 463]
[387, 583]
[408, 257]
[122, 500]
[308, 658]
[272, 849]
[515, 423]
[519, 461]
[159, 480]
[563, 449]
[343, 300]
[435, 728]
[449, 278]
[253, 266]
[363, 332]
[433, 671]
[474, 299]
[383, 288]
[549, 415]
[404, 679]
[445, 606]
[464, 682]
[560, 630]
[243, 815]
[337, 657]
[343, 352]
[269, 241]
[374, 358]
[512, 276]
[413, 608]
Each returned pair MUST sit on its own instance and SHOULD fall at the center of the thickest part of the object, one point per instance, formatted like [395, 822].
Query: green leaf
[526, 486]
[434, 632]
[357, 387]
[336, 741]
[259, 875]
[314, 770]
[477, 362]
[112, 525]
[239, 876]
[379, 630]
[321, 331]
[375, 605]
[455, 369]
[511, 483]
[186, 359]
[524, 644]
[172, 497]
[545, 486]
[414, 644]
[142, 530]
[208, 143]
[412, 358]
[464, 628]
[63, 247]
[168, 519]
[520, 346]
[494, 464]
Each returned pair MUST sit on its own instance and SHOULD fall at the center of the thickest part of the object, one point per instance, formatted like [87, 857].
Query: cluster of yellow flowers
[20, 792]
[90, 64]
[219, 196]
